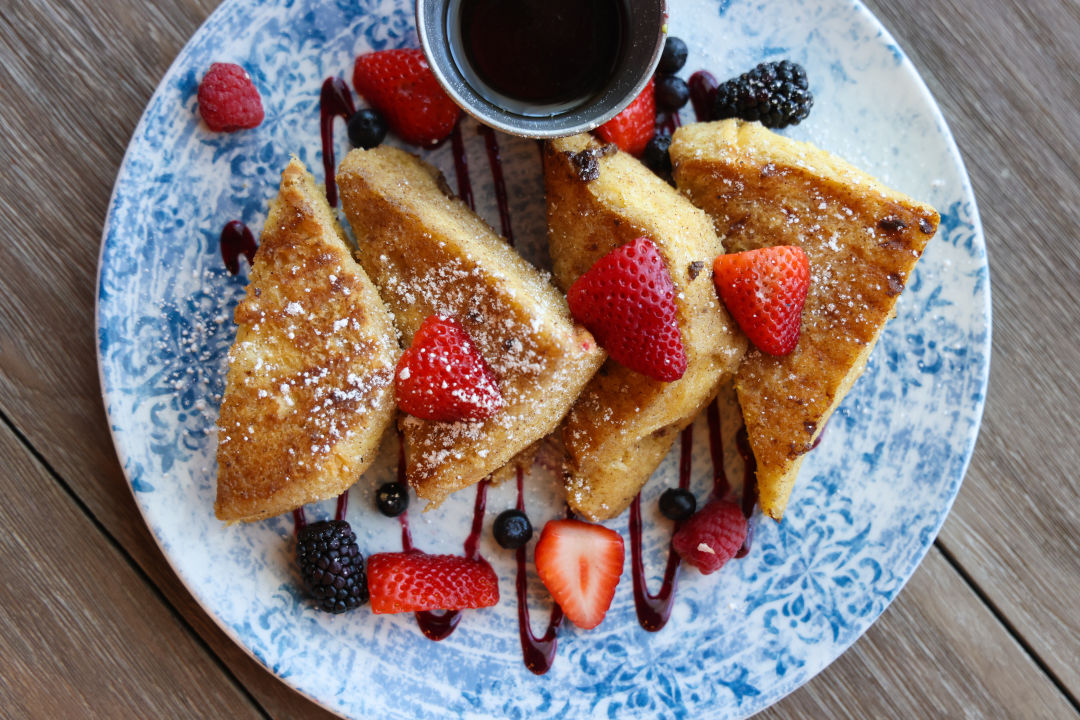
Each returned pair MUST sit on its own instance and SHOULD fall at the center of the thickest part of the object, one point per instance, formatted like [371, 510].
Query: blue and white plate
[869, 501]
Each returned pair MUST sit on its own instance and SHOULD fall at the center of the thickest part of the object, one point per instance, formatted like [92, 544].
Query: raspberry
[711, 536]
[332, 566]
[228, 100]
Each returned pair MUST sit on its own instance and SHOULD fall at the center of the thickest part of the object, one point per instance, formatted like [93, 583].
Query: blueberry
[512, 529]
[392, 499]
[677, 504]
[671, 92]
[367, 128]
[673, 57]
[656, 156]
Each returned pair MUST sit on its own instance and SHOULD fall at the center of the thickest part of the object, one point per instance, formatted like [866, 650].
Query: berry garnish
[580, 564]
[228, 100]
[400, 84]
[671, 92]
[367, 128]
[656, 156]
[775, 93]
[632, 128]
[392, 498]
[764, 290]
[673, 57]
[512, 529]
[443, 376]
[331, 565]
[677, 504]
[627, 301]
[711, 536]
[414, 581]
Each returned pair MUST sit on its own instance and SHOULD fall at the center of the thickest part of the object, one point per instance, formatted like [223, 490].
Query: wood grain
[1006, 81]
[75, 77]
[84, 635]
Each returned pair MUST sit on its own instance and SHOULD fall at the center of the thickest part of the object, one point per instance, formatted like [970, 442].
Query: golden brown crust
[862, 240]
[310, 385]
[428, 253]
[624, 423]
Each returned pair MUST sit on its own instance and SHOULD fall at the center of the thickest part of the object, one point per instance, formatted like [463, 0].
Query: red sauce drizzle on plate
[236, 240]
[495, 162]
[702, 90]
[461, 167]
[538, 652]
[335, 100]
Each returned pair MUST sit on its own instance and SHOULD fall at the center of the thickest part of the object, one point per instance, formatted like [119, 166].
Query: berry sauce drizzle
[461, 167]
[236, 240]
[495, 162]
[721, 487]
[702, 90]
[335, 100]
[538, 652]
[438, 624]
[342, 506]
[653, 611]
[299, 521]
[669, 123]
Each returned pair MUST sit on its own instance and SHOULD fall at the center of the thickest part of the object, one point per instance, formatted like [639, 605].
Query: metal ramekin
[646, 32]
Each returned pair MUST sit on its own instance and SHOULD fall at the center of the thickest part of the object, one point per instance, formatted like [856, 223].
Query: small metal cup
[643, 43]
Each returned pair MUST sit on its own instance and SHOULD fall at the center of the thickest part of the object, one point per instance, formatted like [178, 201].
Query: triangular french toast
[309, 390]
[428, 253]
[624, 423]
[862, 240]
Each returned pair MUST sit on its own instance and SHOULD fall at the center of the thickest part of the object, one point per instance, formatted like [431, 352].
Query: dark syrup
[702, 90]
[236, 240]
[335, 100]
[541, 55]
[538, 652]
[653, 611]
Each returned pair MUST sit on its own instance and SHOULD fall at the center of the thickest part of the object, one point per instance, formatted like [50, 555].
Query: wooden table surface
[93, 623]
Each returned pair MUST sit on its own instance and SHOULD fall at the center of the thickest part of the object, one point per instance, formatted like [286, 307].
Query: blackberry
[774, 93]
[672, 92]
[367, 128]
[332, 566]
[673, 57]
[512, 529]
[392, 499]
[677, 504]
[656, 156]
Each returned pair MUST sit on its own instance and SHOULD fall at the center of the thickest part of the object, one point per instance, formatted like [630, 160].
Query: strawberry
[400, 85]
[580, 564]
[711, 536]
[415, 581]
[764, 290]
[228, 100]
[627, 301]
[443, 376]
[632, 129]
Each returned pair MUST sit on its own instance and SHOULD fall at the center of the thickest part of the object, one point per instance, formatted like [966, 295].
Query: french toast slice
[309, 390]
[862, 239]
[428, 253]
[624, 423]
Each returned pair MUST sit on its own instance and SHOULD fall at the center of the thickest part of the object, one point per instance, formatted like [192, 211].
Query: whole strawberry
[400, 85]
[765, 290]
[632, 128]
[711, 536]
[627, 301]
[414, 581]
[228, 100]
[443, 376]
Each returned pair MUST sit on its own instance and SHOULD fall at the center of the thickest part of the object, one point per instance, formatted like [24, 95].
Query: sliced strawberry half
[400, 85]
[627, 301]
[765, 290]
[580, 564]
[443, 376]
[632, 128]
[414, 581]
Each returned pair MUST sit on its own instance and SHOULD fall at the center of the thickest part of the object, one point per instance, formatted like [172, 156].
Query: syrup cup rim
[644, 42]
